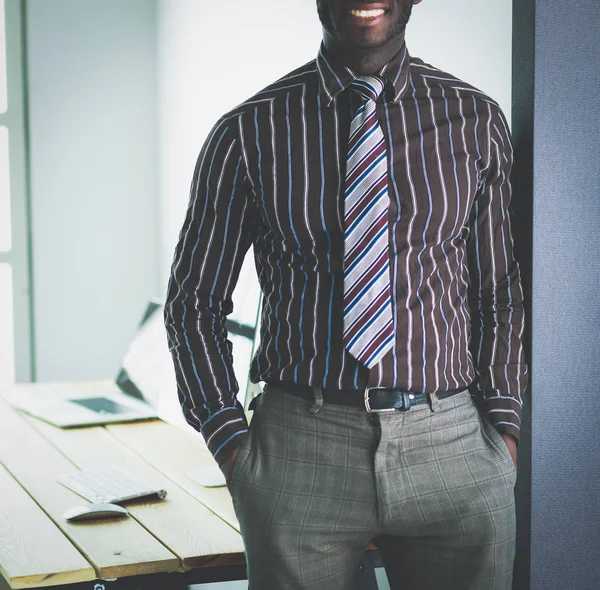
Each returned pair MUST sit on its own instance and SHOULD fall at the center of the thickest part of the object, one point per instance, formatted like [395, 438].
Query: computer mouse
[89, 511]
[208, 477]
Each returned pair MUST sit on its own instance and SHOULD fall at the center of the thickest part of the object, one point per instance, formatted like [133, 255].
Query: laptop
[121, 400]
[106, 406]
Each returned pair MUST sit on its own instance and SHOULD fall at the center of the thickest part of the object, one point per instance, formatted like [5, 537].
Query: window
[5, 225]
[7, 365]
[3, 84]
[15, 300]
[7, 349]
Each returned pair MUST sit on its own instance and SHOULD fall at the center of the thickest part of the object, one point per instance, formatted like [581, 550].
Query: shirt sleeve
[495, 293]
[214, 239]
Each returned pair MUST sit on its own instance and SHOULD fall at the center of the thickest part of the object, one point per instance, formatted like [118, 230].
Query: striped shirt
[271, 174]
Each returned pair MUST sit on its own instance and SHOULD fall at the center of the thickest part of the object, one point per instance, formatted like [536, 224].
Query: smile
[367, 13]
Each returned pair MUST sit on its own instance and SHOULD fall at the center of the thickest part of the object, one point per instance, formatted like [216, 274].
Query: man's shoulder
[427, 76]
[296, 79]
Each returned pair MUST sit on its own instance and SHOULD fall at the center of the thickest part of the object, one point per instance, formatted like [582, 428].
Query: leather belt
[373, 399]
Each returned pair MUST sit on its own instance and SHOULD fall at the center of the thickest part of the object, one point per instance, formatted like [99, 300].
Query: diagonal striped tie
[368, 322]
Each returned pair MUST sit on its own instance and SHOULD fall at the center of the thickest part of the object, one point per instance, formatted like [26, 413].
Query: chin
[367, 41]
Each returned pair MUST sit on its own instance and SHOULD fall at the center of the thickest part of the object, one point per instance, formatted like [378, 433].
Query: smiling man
[375, 191]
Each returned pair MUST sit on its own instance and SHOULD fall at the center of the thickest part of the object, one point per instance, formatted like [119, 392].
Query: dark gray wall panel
[522, 180]
[565, 479]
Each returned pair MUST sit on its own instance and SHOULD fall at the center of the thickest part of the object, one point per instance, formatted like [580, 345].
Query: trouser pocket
[497, 444]
[244, 451]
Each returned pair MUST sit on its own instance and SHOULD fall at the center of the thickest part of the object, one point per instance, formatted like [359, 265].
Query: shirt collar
[334, 77]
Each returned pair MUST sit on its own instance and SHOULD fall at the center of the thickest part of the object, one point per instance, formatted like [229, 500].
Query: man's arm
[495, 294]
[215, 237]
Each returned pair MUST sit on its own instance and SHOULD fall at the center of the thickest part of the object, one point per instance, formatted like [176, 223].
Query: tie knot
[368, 87]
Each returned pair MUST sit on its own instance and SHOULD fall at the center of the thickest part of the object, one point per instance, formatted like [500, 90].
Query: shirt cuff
[225, 431]
[504, 413]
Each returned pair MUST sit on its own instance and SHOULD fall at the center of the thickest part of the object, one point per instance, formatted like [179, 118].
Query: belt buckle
[371, 410]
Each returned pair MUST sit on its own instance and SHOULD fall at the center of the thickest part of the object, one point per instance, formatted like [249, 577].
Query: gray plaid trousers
[433, 487]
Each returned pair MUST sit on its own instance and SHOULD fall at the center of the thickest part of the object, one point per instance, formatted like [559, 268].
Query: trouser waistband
[373, 399]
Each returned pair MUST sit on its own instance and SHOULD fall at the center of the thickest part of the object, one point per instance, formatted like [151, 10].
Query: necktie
[368, 321]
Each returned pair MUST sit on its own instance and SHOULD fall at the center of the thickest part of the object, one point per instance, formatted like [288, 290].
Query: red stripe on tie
[364, 280]
[362, 244]
[363, 319]
[365, 163]
[361, 203]
[367, 126]
[379, 339]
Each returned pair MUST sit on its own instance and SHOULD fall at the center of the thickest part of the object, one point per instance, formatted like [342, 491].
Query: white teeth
[367, 13]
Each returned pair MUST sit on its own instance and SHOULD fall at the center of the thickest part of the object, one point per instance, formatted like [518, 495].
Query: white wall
[93, 110]
[471, 39]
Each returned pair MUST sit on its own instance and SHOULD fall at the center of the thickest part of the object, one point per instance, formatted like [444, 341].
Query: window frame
[19, 256]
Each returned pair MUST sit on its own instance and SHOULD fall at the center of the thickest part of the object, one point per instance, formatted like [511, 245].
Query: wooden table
[191, 537]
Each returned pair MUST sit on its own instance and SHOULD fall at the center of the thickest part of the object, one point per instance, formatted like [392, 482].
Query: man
[375, 191]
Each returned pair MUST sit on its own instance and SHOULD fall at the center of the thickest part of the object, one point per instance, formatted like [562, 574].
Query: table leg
[367, 580]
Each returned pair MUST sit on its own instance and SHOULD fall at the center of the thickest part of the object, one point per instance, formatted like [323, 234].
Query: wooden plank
[174, 452]
[115, 547]
[184, 525]
[33, 552]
